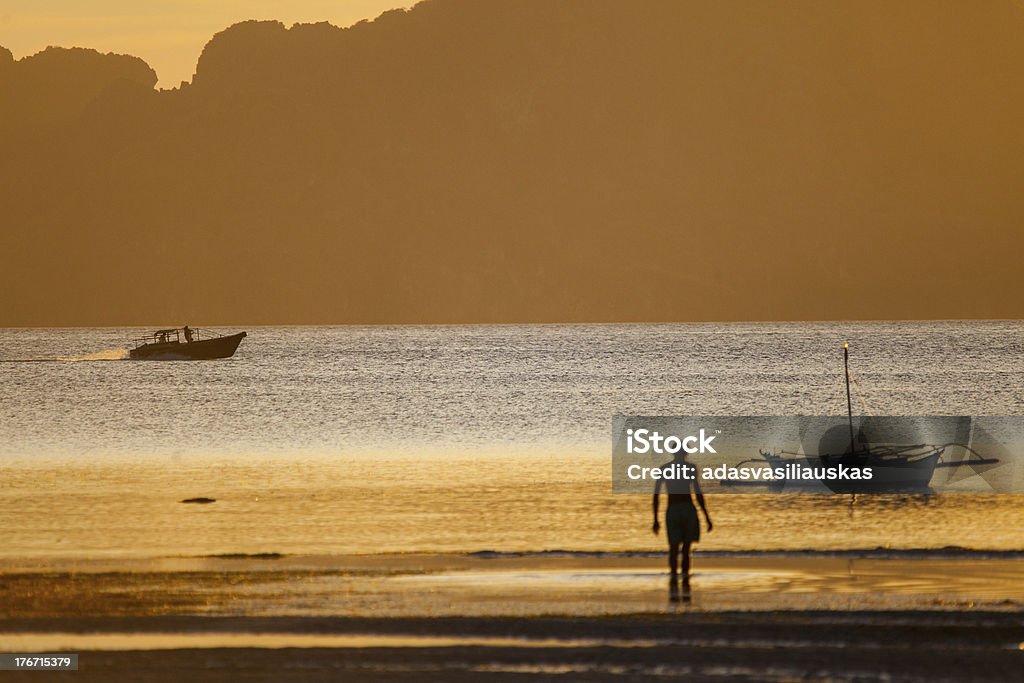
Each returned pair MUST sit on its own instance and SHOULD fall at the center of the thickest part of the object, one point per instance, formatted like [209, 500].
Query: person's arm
[700, 501]
[656, 526]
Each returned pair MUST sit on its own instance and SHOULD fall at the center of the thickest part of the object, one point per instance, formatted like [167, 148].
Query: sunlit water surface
[456, 439]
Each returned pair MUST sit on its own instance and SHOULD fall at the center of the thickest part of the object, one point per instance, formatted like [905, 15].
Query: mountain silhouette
[527, 161]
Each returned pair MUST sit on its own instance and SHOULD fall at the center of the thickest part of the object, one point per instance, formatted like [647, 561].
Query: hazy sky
[168, 34]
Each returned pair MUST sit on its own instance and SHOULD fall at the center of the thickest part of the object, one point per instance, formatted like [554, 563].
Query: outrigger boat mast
[849, 403]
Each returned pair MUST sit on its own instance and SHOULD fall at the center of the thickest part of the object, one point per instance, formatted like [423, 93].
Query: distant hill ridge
[527, 160]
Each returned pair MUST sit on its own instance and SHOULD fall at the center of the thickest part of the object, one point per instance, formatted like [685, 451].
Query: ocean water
[459, 438]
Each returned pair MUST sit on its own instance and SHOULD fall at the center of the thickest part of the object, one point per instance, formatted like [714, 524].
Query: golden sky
[168, 34]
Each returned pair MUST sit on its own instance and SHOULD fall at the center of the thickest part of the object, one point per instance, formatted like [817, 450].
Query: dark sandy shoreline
[458, 617]
[764, 646]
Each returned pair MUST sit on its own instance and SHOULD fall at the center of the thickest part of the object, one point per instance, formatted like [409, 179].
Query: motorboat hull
[204, 349]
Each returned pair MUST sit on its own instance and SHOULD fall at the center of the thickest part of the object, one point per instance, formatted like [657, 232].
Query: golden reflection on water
[405, 503]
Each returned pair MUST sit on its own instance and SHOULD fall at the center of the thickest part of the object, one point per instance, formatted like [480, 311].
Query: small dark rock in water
[246, 556]
[199, 500]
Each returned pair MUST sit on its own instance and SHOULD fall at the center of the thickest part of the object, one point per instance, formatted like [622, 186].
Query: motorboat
[185, 343]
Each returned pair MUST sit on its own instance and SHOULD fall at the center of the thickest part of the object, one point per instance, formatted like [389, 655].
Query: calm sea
[461, 438]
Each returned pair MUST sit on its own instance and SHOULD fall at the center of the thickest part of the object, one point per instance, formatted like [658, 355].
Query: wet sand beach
[505, 585]
[572, 616]
[762, 646]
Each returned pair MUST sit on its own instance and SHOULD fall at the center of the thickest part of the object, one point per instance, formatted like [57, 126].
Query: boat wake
[105, 355]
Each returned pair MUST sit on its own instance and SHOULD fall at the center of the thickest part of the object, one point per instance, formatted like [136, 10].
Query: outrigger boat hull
[203, 349]
[888, 476]
[895, 476]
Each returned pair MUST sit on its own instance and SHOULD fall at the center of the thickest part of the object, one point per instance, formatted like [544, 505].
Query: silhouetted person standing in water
[681, 523]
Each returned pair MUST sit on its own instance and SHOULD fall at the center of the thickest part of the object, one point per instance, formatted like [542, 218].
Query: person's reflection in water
[682, 525]
[674, 595]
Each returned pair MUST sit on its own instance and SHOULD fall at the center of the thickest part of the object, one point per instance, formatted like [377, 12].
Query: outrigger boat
[185, 343]
[895, 467]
